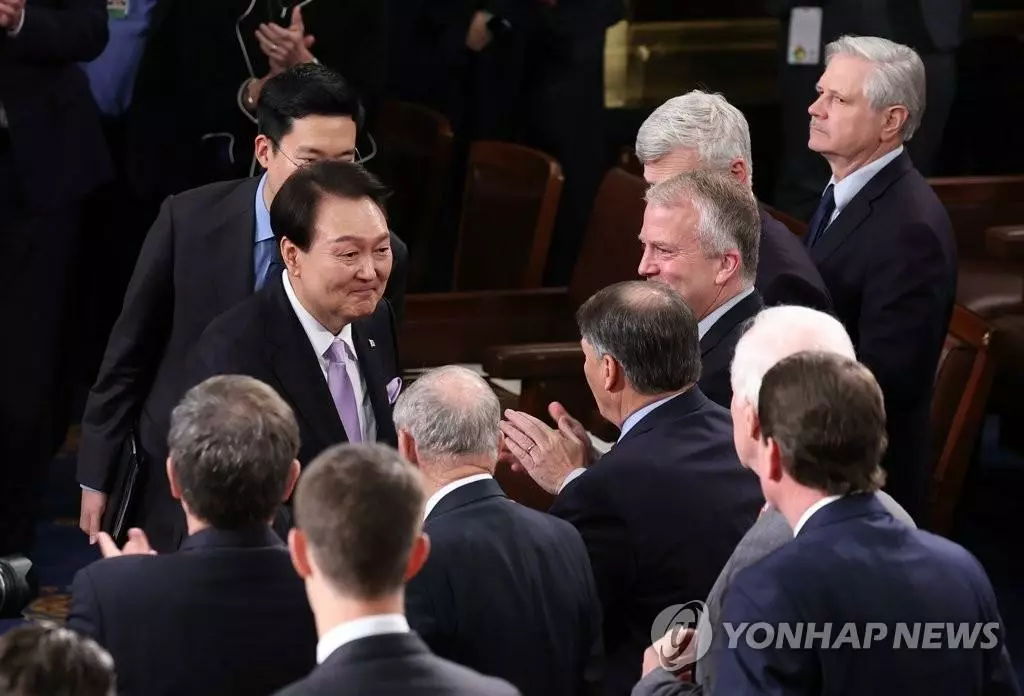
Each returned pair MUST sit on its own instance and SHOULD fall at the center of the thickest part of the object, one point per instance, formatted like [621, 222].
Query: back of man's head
[648, 329]
[360, 509]
[778, 332]
[826, 415]
[233, 443]
[310, 89]
[451, 414]
[47, 660]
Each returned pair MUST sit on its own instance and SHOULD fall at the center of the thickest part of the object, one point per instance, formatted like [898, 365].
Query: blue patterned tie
[822, 216]
[276, 264]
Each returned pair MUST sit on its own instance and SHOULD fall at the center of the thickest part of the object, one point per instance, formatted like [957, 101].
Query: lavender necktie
[341, 390]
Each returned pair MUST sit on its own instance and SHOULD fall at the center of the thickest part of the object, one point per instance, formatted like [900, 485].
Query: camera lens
[18, 585]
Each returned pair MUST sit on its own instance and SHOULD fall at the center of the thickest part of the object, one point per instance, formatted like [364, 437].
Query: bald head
[777, 333]
[451, 413]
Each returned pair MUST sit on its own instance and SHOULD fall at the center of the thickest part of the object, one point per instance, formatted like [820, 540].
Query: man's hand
[558, 415]
[547, 455]
[93, 506]
[479, 36]
[285, 47]
[10, 13]
[674, 652]
[137, 545]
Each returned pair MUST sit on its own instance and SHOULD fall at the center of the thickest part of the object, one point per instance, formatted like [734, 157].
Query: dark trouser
[37, 250]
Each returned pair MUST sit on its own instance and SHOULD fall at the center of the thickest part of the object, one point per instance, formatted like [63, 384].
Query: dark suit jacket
[195, 264]
[660, 513]
[56, 139]
[889, 261]
[719, 344]
[853, 562]
[398, 664]
[224, 615]
[263, 338]
[508, 591]
[785, 273]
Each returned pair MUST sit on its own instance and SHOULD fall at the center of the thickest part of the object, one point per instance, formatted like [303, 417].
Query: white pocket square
[394, 388]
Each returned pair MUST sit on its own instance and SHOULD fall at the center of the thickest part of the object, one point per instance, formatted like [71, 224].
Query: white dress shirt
[433, 500]
[360, 628]
[12, 33]
[809, 512]
[845, 190]
[705, 324]
[321, 339]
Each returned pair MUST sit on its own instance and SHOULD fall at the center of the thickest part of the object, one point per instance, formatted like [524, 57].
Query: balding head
[449, 417]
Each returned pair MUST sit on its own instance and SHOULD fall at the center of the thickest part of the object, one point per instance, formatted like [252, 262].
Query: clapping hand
[285, 47]
[10, 13]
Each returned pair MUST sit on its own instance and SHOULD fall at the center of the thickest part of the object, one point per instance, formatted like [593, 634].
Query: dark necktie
[821, 217]
[276, 264]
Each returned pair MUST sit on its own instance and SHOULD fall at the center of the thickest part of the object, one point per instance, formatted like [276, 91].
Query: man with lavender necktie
[319, 332]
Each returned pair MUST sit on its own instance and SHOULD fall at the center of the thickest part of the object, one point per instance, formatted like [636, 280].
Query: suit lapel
[746, 308]
[297, 368]
[366, 341]
[231, 244]
[858, 209]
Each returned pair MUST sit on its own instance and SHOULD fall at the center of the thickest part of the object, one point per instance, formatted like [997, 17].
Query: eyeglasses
[357, 158]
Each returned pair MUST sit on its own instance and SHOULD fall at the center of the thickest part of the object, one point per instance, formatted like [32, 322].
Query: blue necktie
[821, 217]
[276, 264]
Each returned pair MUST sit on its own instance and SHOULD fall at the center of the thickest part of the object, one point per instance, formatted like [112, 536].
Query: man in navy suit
[698, 130]
[502, 580]
[883, 242]
[663, 509]
[876, 589]
[226, 613]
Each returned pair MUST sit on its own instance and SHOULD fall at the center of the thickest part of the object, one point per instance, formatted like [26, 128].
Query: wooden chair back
[509, 206]
[976, 203]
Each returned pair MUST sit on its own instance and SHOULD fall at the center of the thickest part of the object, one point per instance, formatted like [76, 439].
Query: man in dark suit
[876, 582]
[226, 613]
[934, 28]
[483, 546]
[210, 249]
[663, 509]
[358, 539]
[698, 130]
[52, 156]
[884, 243]
[700, 236]
[319, 332]
[774, 334]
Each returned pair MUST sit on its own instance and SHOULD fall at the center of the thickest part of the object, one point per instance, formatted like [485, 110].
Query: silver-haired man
[699, 130]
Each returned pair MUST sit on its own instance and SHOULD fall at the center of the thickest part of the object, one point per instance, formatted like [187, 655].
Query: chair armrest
[533, 360]
[1005, 243]
[444, 328]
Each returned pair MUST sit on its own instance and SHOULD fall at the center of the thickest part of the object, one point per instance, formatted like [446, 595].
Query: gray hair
[729, 216]
[699, 121]
[450, 411]
[232, 442]
[776, 333]
[898, 77]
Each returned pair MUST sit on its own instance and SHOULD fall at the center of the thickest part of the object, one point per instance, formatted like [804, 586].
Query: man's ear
[293, 479]
[895, 118]
[612, 375]
[172, 479]
[738, 170]
[775, 470]
[418, 557]
[753, 423]
[407, 447]
[290, 256]
[264, 149]
[730, 264]
[298, 549]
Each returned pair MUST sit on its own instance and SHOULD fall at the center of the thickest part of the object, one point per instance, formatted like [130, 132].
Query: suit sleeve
[133, 353]
[75, 32]
[903, 314]
[84, 615]
[662, 683]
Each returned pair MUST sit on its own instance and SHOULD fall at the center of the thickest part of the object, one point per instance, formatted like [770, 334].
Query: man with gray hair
[774, 334]
[227, 612]
[699, 130]
[507, 591]
[882, 240]
[700, 236]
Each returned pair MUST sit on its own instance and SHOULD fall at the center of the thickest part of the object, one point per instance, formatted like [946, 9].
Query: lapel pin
[372, 344]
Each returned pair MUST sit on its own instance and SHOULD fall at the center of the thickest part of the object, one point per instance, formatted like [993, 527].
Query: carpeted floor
[989, 527]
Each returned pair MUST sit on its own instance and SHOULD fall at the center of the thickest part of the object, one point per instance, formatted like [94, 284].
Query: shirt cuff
[21, 22]
[91, 490]
[573, 475]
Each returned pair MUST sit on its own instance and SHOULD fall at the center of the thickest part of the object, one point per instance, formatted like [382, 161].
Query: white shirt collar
[433, 500]
[319, 337]
[850, 186]
[360, 628]
[705, 324]
[809, 512]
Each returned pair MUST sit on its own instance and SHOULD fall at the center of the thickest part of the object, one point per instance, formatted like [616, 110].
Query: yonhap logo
[681, 635]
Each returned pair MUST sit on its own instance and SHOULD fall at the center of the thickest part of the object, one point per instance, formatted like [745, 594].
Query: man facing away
[881, 588]
[502, 580]
[226, 613]
[358, 539]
